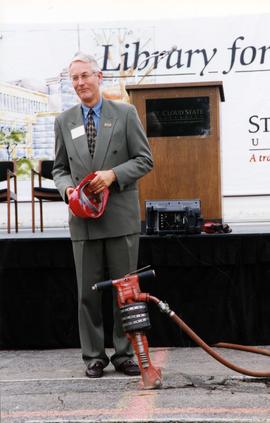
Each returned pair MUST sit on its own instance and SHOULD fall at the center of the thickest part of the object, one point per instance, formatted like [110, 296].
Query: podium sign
[172, 117]
[182, 124]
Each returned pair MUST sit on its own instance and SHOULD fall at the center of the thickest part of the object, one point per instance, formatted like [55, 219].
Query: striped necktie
[91, 133]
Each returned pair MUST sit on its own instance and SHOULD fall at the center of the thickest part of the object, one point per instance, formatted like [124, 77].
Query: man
[118, 152]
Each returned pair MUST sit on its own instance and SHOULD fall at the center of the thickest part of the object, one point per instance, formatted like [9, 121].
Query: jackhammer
[135, 321]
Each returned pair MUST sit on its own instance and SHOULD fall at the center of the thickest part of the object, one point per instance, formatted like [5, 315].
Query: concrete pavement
[50, 386]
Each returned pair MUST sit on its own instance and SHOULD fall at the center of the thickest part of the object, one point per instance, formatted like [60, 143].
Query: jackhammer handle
[102, 285]
[148, 274]
[106, 284]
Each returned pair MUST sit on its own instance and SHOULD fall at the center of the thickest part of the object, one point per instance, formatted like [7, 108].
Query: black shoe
[95, 370]
[128, 367]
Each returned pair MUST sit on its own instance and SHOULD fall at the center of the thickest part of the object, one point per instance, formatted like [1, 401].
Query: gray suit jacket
[121, 145]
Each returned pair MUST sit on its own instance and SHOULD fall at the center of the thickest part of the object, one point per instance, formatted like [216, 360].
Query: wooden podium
[182, 124]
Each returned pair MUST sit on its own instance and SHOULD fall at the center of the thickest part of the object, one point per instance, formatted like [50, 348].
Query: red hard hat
[84, 203]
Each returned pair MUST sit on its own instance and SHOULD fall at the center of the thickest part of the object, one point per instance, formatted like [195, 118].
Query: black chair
[7, 172]
[40, 192]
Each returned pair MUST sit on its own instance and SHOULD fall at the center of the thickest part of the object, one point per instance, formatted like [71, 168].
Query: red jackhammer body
[135, 320]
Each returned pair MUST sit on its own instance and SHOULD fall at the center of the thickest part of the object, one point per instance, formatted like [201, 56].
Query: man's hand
[69, 191]
[103, 178]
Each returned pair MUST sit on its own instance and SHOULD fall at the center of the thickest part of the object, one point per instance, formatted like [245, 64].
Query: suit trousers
[95, 261]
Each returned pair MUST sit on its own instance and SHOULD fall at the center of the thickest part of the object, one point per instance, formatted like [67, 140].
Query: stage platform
[237, 229]
[218, 283]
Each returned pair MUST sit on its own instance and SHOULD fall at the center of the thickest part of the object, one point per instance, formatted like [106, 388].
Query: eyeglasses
[83, 76]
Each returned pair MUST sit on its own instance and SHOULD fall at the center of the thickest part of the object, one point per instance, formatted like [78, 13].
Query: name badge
[77, 132]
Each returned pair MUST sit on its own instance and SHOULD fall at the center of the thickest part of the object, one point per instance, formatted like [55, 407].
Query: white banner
[234, 50]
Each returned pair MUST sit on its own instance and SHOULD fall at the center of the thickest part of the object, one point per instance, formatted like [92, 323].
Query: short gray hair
[87, 58]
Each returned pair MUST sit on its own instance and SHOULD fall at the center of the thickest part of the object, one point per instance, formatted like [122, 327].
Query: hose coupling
[164, 307]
